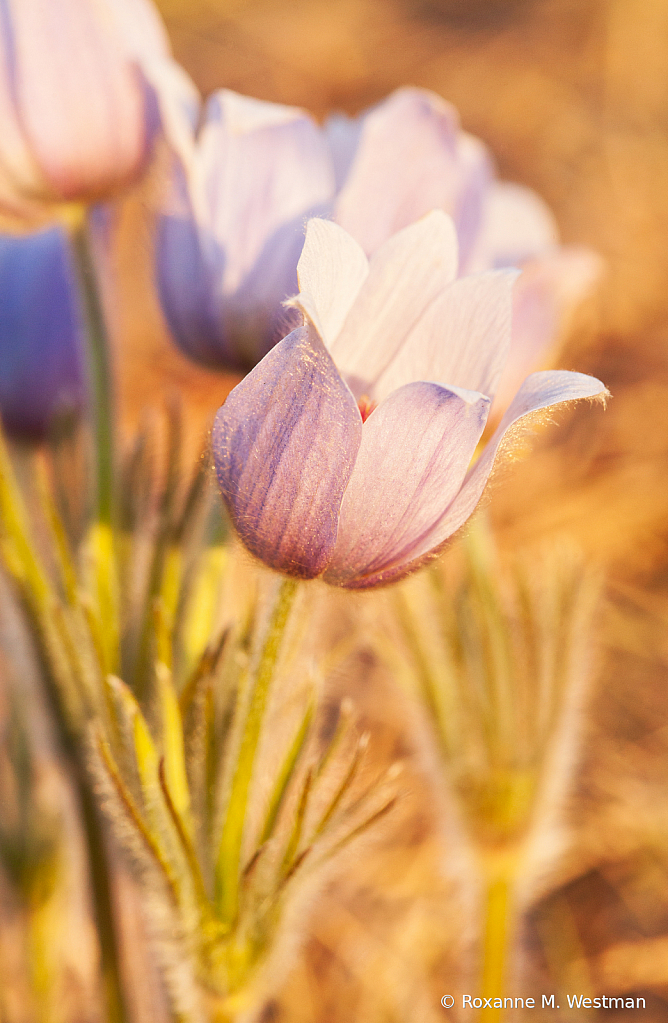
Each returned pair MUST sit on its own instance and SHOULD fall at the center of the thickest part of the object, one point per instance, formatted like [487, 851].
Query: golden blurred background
[571, 96]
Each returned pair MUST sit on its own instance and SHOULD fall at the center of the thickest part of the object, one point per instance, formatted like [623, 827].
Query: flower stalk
[232, 834]
[499, 872]
[101, 542]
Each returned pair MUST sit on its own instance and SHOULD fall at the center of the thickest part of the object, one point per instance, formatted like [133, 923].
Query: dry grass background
[572, 97]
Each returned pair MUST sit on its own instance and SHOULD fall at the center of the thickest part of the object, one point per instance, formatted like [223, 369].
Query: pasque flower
[231, 225]
[42, 361]
[346, 453]
[77, 110]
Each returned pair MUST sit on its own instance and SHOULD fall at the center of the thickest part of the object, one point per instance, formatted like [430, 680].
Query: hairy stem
[99, 369]
[228, 871]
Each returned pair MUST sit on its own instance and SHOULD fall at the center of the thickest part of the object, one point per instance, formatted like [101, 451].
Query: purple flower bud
[42, 367]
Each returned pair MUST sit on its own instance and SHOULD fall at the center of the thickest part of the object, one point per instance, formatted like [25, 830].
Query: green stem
[496, 937]
[101, 535]
[103, 909]
[228, 867]
[99, 370]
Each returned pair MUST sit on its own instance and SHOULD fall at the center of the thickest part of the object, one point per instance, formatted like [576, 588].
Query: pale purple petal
[415, 450]
[262, 166]
[185, 277]
[343, 134]
[179, 106]
[405, 276]
[461, 339]
[545, 296]
[539, 391]
[517, 225]
[331, 270]
[405, 165]
[284, 445]
[475, 179]
[83, 105]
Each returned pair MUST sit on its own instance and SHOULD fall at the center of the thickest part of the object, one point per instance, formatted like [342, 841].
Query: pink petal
[331, 271]
[539, 391]
[415, 450]
[284, 445]
[546, 295]
[142, 28]
[461, 339]
[82, 102]
[405, 276]
[404, 166]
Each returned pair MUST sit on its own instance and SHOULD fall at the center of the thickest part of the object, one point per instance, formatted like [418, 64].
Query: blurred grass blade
[286, 773]
[172, 735]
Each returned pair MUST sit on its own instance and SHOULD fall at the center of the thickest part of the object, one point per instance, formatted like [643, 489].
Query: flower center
[366, 405]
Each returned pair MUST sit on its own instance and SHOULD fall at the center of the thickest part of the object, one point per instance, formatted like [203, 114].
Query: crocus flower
[77, 111]
[42, 367]
[347, 452]
[230, 228]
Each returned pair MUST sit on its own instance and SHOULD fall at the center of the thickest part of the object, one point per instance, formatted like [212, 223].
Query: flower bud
[42, 363]
[77, 111]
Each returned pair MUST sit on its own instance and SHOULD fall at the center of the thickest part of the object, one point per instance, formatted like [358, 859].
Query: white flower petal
[461, 339]
[405, 276]
[331, 270]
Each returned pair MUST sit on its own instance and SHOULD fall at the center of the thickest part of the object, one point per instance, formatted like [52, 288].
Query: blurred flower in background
[42, 354]
[231, 224]
[77, 108]
[339, 455]
[231, 228]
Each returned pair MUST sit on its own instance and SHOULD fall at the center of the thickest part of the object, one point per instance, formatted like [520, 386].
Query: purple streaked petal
[461, 339]
[284, 445]
[539, 391]
[415, 450]
[331, 270]
[405, 275]
[404, 166]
